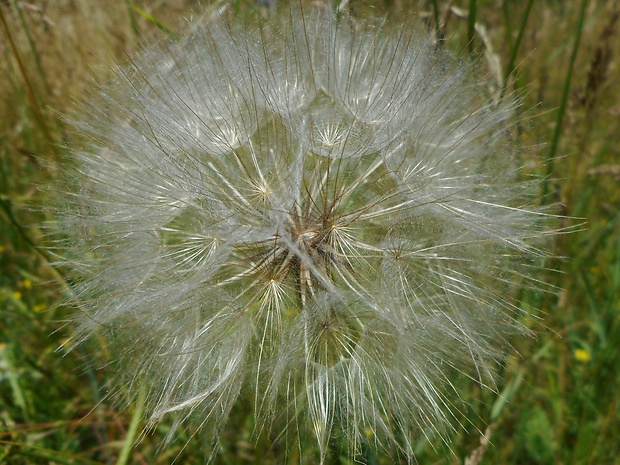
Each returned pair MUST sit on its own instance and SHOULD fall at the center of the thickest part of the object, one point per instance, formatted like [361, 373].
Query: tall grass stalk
[557, 133]
[471, 27]
[514, 47]
[30, 91]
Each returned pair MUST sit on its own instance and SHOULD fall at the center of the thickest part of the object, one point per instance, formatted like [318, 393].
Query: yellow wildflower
[582, 355]
[38, 308]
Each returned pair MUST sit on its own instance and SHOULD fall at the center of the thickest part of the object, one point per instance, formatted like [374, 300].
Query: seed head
[324, 214]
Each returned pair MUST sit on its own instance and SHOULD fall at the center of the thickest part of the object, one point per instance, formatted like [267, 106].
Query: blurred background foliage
[557, 399]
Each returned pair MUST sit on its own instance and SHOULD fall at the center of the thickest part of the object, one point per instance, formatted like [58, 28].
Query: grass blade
[555, 141]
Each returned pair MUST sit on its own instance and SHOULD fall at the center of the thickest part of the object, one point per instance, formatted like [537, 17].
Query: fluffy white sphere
[324, 213]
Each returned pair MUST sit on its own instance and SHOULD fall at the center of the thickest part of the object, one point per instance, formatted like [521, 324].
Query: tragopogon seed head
[321, 212]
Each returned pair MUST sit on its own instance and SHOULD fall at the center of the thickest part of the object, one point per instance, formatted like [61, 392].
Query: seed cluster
[321, 212]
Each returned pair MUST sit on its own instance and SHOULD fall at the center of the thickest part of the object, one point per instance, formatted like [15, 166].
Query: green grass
[559, 400]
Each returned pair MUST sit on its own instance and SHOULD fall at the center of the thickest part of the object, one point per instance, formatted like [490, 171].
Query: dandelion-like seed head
[321, 212]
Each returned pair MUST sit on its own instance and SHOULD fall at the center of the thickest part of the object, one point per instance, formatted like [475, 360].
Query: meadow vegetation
[557, 399]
